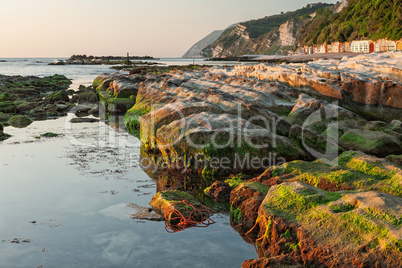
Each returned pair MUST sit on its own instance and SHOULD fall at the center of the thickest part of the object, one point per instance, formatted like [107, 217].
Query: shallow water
[64, 200]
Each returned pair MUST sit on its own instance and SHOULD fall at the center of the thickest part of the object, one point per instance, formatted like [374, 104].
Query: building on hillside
[316, 49]
[399, 45]
[381, 45]
[323, 48]
[346, 46]
[362, 46]
[341, 47]
[391, 46]
[335, 47]
[329, 48]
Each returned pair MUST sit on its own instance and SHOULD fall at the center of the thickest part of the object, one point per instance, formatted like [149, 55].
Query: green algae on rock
[49, 135]
[20, 121]
[341, 222]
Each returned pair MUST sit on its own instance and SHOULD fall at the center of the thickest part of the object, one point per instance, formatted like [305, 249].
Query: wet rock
[117, 92]
[321, 228]
[372, 142]
[82, 109]
[58, 96]
[119, 105]
[49, 135]
[273, 262]
[3, 135]
[318, 145]
[24, 107]
[307, 105]
[94, 111]
[267, 178]
[350, 79]
[8, 107]
[4, 118]
[375, 125]
[170, 204]
[84, 120]
[245, 200]
[87, 97]
[144, 213]
[24, 96]
[396, 123]
[20, 121]
[219, 191]
[397, 159]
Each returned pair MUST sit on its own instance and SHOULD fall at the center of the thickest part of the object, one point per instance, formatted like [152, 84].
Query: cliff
[270, 35]
[314, 24]
[196, 49]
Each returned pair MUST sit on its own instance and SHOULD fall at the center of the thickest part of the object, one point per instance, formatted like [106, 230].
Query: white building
[362, 46]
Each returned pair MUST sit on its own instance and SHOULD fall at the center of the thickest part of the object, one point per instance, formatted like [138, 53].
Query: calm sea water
[63, 200]
[81, 74]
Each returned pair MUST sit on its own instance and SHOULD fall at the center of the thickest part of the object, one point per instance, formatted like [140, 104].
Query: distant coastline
[97, 60]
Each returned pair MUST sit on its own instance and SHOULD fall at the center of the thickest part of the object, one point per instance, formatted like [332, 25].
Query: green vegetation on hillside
[263, 33]
[369, 19]
[258, 27]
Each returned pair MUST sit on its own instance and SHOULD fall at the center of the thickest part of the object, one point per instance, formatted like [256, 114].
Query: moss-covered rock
[371, 142]
[119, 105]
[339, 222]
[84, 120]
[20, 121]
[6, 97]
[244, 202]
[396, 159]
[8, 107]
[351, 170]
[4, 118]
[172, 200]
[49, 135]
[58, 96]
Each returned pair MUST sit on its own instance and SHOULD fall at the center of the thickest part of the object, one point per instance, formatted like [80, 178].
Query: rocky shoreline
[307, 157]
[100, 60]
[330, 189]
[24, 99]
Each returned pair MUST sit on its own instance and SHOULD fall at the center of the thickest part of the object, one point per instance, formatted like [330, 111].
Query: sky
[158, 28]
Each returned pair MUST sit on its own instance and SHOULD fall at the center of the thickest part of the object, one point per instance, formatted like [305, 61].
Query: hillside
[196, 49]
[368, 19]
[270, 35]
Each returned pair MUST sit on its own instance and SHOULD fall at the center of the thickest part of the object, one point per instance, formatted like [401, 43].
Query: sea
[63, 200]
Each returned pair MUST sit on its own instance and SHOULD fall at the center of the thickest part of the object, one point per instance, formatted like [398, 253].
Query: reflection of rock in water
[144, 213]
[102, 150]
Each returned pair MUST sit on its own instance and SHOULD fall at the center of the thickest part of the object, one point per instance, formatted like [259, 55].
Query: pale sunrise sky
[159, 28]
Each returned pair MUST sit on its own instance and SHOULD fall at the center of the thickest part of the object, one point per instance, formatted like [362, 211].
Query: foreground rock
[367, 83]
[295, 129]
[175, 205]
[3, 135]
[20, 121]
[307, 215]
[320, 228]
[190, 117]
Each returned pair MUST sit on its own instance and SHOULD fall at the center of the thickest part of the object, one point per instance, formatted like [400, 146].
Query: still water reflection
[64, 205]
